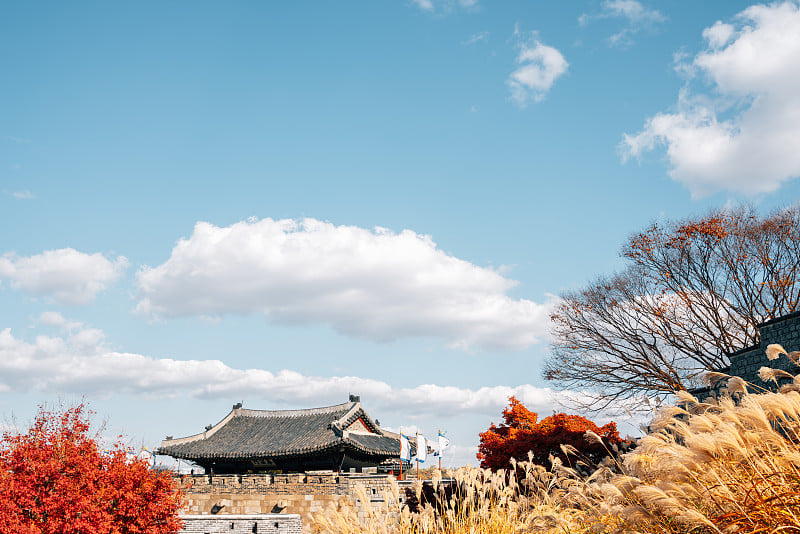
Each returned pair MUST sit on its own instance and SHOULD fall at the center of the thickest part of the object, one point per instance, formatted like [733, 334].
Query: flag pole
[403, 440]
[440, 452]
[417, 455]
[401, 456]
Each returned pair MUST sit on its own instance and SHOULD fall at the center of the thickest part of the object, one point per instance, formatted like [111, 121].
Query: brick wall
[242, 524]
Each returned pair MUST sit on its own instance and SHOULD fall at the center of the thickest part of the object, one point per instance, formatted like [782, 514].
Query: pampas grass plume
[736, 385]
[766, 374]
[774, 351]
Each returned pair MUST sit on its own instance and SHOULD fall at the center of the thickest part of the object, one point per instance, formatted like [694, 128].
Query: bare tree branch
[693, 293]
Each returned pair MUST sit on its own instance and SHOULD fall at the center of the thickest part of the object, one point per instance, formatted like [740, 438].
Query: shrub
[522, 433]
[54, 479]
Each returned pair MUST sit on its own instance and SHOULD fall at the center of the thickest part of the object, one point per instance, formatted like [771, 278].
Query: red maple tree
[522, 432]
[55, 479]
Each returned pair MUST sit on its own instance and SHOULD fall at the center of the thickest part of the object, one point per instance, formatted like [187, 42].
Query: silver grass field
[723, 466]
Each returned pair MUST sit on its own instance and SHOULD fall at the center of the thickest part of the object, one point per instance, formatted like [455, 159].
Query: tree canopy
[521, 432]
[55, 479]
[692, 293]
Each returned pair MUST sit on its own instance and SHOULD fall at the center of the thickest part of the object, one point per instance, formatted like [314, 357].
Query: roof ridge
[355, 412]
[352, 410]
[246, 412]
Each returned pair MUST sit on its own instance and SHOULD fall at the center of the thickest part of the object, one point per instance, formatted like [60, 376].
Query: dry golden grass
[485, 502]
[724, 466]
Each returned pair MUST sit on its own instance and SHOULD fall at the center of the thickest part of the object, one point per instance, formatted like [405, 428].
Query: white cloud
[719, 34]
[426, 5]
[633, 11]
[539, 67]
[23, 195]
[742, 133]
[431, 6]
[80, 361]
[636, 16]
[51, 318]
[476, 38]
[66, 275]
[373, 284]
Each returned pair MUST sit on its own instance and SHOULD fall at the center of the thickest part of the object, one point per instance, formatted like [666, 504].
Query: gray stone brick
[242, 524]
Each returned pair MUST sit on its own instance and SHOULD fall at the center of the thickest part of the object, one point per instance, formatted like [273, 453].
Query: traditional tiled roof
[249, 434]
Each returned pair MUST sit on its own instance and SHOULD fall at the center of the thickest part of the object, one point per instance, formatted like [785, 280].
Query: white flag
[405, 448]
[422, 448]
[443, 443]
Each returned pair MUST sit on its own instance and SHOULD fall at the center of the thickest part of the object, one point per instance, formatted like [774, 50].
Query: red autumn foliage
[54, 479]
[522, 432]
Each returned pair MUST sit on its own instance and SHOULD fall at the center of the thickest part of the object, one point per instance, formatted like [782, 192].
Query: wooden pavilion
[335, 438]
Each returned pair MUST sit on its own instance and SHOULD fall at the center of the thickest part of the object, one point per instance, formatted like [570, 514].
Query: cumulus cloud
[636, 16]
[373, 284]
[79, 360]
[741, 131]
[65, 275]
[539, 67]
[719, 34]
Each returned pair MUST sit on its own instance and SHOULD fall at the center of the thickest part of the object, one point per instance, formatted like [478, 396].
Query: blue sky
[283, 203]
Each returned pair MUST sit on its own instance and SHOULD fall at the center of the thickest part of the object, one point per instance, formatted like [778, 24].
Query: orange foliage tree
[522, 432]
[693, 292]
[55, 479]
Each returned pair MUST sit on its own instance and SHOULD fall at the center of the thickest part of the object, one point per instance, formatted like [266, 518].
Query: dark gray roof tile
[245, 434]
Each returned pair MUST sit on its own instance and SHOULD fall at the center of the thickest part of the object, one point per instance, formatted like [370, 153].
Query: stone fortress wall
[745, 363]
[785, 331]
[304, 494]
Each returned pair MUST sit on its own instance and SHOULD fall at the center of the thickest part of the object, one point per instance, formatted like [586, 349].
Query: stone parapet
[282, 484]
